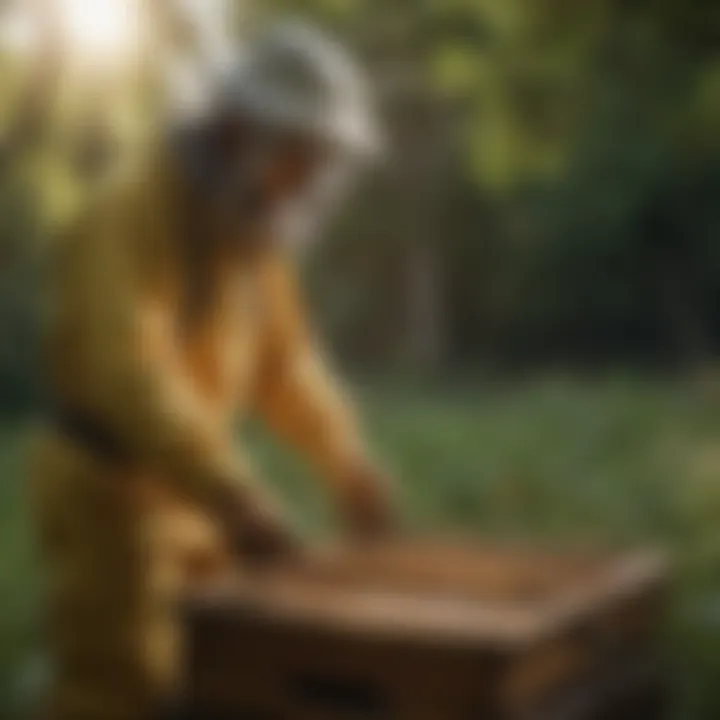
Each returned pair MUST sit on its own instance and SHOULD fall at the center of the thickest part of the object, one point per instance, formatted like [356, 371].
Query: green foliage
[20, 291]
[19, 619]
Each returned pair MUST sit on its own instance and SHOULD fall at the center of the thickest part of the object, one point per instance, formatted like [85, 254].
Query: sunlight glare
[101, 28]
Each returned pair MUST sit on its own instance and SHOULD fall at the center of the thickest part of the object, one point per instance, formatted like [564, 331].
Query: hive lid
[437, 591]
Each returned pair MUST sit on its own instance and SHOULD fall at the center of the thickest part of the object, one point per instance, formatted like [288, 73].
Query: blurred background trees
[548, 195]
[557, 164]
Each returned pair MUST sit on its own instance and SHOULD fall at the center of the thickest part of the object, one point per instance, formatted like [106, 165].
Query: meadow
[617, 461]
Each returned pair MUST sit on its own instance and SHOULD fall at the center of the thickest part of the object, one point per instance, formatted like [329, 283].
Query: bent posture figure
[174, 309]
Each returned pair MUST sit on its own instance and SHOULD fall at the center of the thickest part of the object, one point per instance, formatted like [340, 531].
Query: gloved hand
[365, 504]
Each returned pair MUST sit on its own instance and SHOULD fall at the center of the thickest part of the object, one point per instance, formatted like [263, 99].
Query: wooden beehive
[422, 631]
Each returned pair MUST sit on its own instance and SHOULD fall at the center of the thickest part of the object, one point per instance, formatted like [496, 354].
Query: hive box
[431, 631]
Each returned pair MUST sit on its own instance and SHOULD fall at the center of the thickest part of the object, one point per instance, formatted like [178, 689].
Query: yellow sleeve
[135, 383]
[297, 395]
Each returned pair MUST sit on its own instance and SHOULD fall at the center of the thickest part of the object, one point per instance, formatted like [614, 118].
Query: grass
[616, 461]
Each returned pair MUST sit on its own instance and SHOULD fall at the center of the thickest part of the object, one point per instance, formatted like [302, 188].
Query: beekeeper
[174, 309]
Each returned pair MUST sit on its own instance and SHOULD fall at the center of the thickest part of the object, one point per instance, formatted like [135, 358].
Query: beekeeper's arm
[302, 402]
[139, 390]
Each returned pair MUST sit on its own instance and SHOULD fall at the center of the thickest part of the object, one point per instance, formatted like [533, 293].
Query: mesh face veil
[295, 89]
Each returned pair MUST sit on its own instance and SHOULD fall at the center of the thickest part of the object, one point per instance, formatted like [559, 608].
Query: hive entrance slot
[350, 698]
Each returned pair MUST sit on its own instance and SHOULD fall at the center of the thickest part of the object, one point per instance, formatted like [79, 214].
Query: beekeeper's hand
[365, 504]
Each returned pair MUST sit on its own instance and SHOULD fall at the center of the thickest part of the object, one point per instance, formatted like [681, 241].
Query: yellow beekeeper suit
[163, 348]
